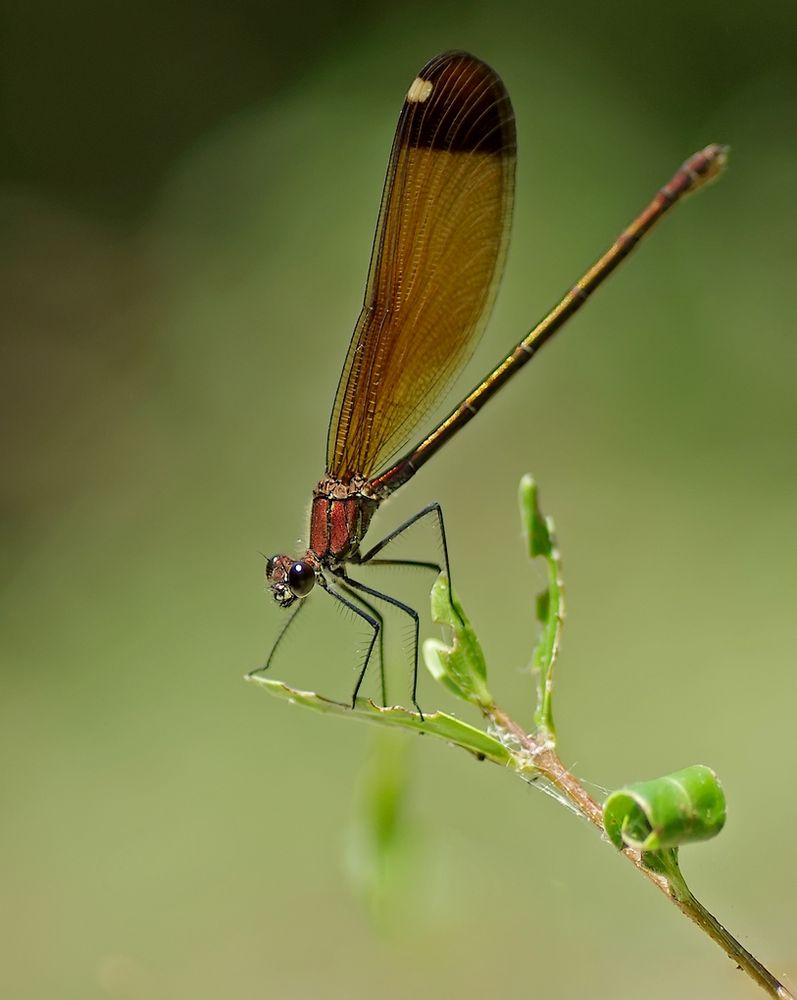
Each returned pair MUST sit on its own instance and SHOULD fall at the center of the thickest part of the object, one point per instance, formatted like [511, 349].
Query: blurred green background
[187, 200]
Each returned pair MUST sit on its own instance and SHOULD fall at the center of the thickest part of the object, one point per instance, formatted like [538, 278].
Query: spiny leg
[291, 619]
[414, 563]
[432, 508]
[367, 618]
[357, 585]
[378, 615]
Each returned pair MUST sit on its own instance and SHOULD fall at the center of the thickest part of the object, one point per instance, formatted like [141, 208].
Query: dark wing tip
[459, 104]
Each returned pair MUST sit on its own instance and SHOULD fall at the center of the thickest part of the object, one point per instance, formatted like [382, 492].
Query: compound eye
[301, 578]
[270, 564]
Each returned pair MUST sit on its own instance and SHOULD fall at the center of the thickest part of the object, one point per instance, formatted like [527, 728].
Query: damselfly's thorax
[339, 518]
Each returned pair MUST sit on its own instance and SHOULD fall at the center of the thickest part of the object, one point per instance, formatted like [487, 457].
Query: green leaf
[380, 848]
[459, 666]
[541, 543]
[679, 808]
[438, 724]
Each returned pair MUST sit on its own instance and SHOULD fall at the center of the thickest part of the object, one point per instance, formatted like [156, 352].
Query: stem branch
[541, 759]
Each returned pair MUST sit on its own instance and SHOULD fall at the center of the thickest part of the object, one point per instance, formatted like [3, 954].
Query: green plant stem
[534, 758]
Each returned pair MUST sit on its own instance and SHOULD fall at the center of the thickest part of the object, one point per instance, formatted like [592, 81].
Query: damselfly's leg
[413, 614]
[432, 508]
[374, 624]
[291, 619]
[343, 584]
[414, 563]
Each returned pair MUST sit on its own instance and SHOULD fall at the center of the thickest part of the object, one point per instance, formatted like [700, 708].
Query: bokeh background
[187, 200]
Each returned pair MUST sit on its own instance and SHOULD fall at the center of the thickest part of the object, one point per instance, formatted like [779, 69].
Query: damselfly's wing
[438, 255]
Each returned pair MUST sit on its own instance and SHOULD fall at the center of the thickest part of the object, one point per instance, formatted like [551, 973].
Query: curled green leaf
[679, 808]
[541, 543]
[459, 666]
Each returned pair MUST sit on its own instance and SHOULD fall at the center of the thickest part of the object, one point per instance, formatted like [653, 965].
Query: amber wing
[438, 255]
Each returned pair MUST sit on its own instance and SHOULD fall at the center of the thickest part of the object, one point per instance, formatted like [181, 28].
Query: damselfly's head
[291, 579]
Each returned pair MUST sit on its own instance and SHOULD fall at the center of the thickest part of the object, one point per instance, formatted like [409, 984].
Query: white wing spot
[419, 91]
